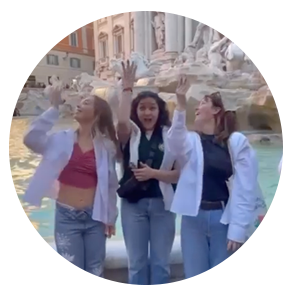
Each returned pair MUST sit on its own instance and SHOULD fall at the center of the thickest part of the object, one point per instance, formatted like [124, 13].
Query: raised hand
[181, 90]
[53, 93]
[128, 75]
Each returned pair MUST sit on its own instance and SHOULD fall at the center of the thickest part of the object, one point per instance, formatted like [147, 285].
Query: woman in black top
[216, 217]
[146, 186]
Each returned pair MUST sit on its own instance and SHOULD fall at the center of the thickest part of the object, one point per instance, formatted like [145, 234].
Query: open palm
[181, 90]
[128, 74]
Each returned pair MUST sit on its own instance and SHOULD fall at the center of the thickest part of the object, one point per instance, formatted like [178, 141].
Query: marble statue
[213, 34]
[143, 66]
[205, 35]
[215, 54]
[86, 82]
[159, 27]
[55, 81]
[241, 46]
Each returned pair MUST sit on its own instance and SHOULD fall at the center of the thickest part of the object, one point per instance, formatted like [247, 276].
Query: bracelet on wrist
[127, 89]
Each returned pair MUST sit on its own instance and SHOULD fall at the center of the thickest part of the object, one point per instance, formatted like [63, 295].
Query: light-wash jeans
[80, 239]
[148, 230]
[203, 242]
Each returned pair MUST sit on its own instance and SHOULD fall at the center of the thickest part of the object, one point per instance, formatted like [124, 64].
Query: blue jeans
[80, 239]
[148, 229]
[203, 242]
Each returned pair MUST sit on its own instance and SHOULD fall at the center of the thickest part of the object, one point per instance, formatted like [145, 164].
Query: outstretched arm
[178, 142]
[124, 126]
[37, 138]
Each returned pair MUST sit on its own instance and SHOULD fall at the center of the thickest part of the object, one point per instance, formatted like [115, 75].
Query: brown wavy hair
[226, 121]
[104, 122]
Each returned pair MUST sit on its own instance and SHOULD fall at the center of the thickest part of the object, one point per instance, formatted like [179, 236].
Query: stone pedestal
[158, 54]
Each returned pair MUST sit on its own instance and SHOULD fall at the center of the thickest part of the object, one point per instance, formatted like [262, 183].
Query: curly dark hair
[163, 118]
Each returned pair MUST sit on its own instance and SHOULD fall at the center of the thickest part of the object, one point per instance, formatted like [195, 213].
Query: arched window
[118, 34]
[103, 45]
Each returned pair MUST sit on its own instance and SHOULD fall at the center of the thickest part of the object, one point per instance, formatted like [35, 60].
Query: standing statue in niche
[198, 49]
[159, 27]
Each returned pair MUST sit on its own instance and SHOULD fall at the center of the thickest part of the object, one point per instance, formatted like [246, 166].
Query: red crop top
[81, 169]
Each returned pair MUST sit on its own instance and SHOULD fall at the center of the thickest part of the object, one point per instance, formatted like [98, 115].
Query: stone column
[243, 16]
[110, 37]
[188, 31]
[127, 35]
[180, 33]
[171, 27]
[148, 34]
[139, 33]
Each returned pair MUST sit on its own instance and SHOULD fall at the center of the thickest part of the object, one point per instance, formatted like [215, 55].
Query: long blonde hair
[104, 123]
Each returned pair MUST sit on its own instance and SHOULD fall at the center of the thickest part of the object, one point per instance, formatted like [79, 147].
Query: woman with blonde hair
[77, 169]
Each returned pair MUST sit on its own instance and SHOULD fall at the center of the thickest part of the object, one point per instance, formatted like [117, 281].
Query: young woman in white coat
[146, 186]
[77, 169]
[215, 217]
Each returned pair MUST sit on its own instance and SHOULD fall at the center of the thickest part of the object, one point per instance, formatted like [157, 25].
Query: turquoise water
[23, 163]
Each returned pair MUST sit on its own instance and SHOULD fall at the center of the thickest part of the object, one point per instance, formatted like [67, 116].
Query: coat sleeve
[243, 195]
[178, 140]
[113, 184]
[37, 137]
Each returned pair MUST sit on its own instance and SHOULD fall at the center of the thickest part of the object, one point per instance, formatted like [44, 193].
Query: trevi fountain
[212, 63]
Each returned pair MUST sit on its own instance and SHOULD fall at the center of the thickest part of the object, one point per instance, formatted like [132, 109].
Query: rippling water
[23, 163]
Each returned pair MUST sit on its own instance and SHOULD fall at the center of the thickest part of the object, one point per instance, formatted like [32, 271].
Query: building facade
[157, 35]
[114, 38]
[46, 43]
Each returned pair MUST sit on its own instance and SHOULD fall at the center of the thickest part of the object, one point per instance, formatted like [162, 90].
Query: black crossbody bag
[132, 184]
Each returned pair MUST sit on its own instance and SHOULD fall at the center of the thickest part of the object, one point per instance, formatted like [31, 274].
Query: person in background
[216, 217]
[146, 186]
[280, 165]
[77, 169]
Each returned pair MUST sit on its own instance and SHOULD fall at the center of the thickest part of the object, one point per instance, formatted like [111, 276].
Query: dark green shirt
[153, 190]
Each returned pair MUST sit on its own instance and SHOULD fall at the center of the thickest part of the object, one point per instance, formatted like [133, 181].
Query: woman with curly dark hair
[146, 186]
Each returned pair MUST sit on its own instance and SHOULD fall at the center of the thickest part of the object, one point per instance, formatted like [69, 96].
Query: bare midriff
[78, 180]
[75, 197]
